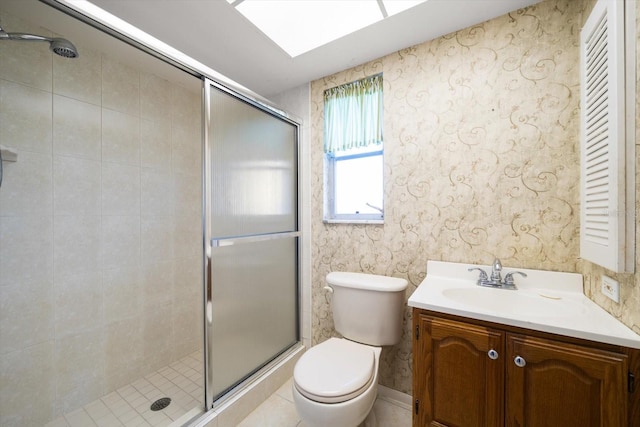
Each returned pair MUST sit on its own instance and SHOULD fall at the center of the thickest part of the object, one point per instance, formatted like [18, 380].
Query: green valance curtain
[353, 115]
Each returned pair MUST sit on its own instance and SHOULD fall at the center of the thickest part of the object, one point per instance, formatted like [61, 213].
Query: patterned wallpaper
[481, 160]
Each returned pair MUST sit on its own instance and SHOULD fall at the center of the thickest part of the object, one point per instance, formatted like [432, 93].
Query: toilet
[335, 383]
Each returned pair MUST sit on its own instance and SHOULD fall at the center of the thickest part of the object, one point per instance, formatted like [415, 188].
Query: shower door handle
[230, 241]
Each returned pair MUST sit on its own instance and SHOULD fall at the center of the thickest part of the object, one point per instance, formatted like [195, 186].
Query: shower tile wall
[100, 241]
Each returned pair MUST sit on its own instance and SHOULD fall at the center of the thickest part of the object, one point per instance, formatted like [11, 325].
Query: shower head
[62, 47]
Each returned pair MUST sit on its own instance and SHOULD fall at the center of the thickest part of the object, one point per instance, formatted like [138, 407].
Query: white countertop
[545, 301]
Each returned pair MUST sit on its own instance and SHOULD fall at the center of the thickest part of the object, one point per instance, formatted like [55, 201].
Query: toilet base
[356, 412]
[353, 413]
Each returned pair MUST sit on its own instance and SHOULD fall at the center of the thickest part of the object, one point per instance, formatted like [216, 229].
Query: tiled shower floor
[129, 406]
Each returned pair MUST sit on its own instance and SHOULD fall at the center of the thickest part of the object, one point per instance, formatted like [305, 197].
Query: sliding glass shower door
[251, 237]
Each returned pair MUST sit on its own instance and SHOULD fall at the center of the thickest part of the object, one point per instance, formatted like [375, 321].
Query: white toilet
[335, 383]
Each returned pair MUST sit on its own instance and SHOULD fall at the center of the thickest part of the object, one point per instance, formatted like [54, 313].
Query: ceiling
[215, 34]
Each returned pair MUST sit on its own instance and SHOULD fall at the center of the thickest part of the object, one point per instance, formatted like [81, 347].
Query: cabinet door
[457, 383]
[556, 384]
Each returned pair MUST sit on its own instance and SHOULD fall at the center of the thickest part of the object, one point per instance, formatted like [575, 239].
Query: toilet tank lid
[371, 282]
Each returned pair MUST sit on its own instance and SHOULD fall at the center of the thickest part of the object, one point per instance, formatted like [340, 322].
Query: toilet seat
[335, 371]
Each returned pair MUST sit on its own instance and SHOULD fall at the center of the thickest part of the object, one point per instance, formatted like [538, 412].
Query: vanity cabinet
[471, 373]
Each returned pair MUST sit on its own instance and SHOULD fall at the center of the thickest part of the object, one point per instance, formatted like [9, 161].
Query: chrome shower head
[62, 47]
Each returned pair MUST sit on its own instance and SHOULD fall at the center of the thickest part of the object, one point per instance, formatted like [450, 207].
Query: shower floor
[129, 406]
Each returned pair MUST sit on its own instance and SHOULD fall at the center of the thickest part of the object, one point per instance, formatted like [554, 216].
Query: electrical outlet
[610, 288]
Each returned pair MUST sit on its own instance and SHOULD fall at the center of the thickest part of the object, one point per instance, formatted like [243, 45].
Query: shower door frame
[207, 85]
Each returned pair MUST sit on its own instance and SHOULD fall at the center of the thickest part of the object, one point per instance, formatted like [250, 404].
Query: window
[354, 152]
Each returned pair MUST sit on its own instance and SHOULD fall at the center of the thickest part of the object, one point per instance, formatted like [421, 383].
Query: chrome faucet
[495, 280]
[496, 268]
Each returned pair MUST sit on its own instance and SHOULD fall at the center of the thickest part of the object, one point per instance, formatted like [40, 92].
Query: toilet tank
[368, 308]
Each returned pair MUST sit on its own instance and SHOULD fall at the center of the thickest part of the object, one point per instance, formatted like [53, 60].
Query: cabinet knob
[519, 361]
[493, 355]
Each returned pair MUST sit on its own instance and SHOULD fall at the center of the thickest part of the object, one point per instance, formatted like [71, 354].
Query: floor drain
[160, 404]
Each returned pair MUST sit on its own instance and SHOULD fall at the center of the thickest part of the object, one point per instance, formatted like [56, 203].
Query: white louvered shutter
[602, 139]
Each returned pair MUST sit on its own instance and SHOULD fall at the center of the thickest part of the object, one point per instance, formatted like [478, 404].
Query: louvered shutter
[602, 139]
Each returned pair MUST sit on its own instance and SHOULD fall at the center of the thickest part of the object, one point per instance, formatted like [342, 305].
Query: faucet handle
[483, 274]
[508, 278]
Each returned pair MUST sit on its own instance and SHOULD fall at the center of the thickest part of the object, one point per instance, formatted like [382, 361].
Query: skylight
[298, 26]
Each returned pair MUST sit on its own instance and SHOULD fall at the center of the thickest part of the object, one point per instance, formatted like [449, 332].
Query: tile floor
[279, 411]
[129, 406]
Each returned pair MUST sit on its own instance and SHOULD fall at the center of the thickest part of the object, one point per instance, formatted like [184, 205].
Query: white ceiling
[215, 34]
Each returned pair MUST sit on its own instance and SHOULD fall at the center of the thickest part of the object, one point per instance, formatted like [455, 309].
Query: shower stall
[148, 230]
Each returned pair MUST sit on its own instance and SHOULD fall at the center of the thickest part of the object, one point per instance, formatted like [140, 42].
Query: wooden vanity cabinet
[455, 382]
[564, 385]
[470, 373]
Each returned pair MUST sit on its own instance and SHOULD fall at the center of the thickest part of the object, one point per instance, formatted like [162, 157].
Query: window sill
[354, 221]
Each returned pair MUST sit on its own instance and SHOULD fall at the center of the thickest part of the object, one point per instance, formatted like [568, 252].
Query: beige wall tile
[186, 150]
[72, 207]
[123, 352]
[122, 293]
[26, 250]
[120, 189]
[155, 144]
[157, 237]
[187, 327]
[156, 192]
[27, 187]
[155, 98]
[77, 128]
[25, 307]
[78, 304]
[120, 241]
[76, 245]
[188, 195]
[27, 386]
[27, 63]
[158, 336]
[186, 108]
[80, 78]
[188, 237]
[187, 280]
[77, 186]
[79, 362]
[157, 283]
[26, 117]
[120, 87]
[120, 138]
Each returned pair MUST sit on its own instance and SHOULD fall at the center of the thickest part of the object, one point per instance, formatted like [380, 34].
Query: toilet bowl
[336, 383]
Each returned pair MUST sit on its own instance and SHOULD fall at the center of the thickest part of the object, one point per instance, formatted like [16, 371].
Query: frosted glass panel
[254, 174]
[254, 307]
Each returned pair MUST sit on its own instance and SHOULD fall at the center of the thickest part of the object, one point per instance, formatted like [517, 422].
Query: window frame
[330, 215]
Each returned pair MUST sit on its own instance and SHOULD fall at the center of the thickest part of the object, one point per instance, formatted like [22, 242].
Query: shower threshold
[130, 406]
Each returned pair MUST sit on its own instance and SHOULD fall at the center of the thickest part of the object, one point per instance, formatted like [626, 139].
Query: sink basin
[529, 303]
[545, 301]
